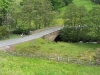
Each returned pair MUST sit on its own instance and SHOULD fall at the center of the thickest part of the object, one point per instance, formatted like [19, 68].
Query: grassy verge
[45, 47]
[13, 65]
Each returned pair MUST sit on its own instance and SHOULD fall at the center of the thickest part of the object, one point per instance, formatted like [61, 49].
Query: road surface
[27, 38]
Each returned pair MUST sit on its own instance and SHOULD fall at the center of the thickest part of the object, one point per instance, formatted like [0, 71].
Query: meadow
[23, 65]
[46, 47]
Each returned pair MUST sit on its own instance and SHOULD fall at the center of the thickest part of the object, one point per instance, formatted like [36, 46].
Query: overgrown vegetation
[4, 32]
[81, 25]
[26, 14]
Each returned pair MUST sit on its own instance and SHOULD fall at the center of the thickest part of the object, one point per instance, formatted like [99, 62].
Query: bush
[79, 33]
[68, 34]
[21, 31]
[4, 32]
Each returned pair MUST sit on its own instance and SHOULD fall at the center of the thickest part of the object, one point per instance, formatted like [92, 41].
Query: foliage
[81, 24]
[96, 1]
[74, 15]
[39, 11]
[3, 10]
[4, 32]
[60, 3]
[43, 13]
[79, 33]
[21, 31]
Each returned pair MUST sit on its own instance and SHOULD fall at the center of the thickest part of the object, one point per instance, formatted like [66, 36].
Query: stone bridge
[51, 36]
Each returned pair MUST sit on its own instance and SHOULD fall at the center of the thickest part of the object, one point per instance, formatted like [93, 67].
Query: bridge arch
[52, 36]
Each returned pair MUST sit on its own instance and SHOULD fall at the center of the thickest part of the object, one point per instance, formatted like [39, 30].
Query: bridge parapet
[51, 36]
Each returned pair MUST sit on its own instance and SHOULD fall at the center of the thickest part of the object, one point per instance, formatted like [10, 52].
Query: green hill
[87, 3]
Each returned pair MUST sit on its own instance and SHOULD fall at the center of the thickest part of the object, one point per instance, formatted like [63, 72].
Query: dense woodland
[23, 16]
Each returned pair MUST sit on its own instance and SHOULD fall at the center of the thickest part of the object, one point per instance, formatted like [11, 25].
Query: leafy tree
[3, 10]
[71, 15]
[83, 25]
[82, 12]
[26, 15]
[39, 11]
[44, 12]
[94, 15]
[75, 15]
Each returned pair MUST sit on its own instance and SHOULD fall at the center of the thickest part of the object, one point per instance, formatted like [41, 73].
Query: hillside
[87, 3]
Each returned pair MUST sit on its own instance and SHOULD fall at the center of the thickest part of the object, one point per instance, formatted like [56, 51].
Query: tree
[3, 10]
[26, 15]
[39, 11]
[75, 15]
[82, 12]
[94, 15]
[71, 15]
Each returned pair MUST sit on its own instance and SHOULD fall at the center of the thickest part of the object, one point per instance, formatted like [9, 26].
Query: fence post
[68, 59]
[78, 62]
[58, 58]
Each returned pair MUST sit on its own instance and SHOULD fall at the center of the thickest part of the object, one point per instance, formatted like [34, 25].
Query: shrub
[21, 31]
[79, 33]
[4, 32]
[97, 56]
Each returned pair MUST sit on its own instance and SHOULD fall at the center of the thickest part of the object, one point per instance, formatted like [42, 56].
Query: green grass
[13, 65]
[87, 3]
[46, 47]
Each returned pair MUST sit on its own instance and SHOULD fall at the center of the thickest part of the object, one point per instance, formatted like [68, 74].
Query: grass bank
[17, 65]
[87, 3]
[45, 47]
